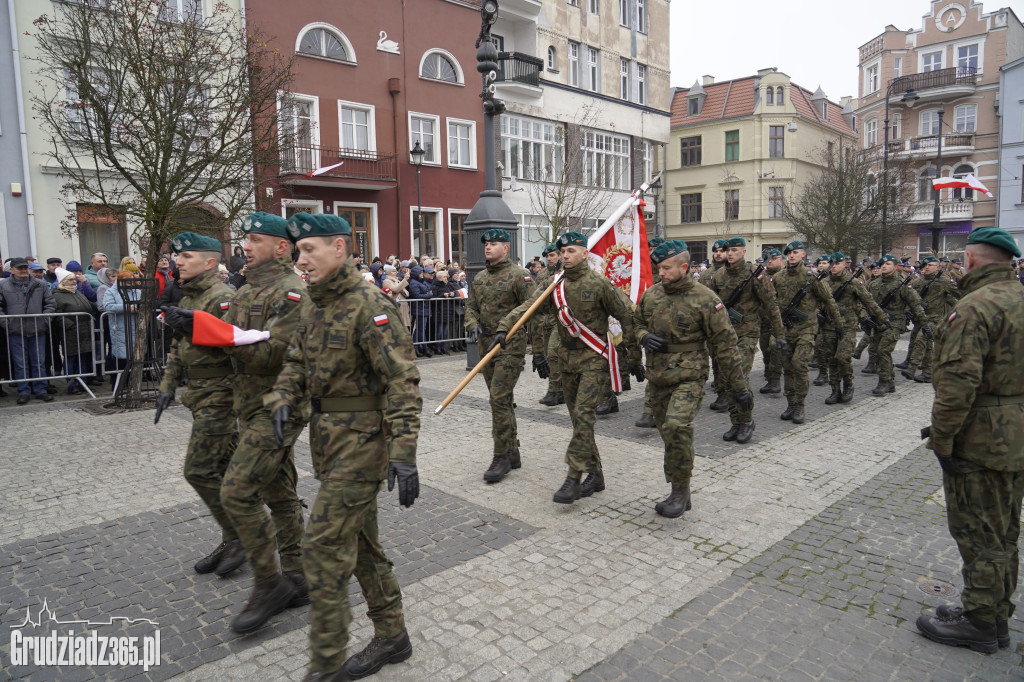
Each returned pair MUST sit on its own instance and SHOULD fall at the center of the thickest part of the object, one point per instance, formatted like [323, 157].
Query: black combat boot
[676, 503]
[209, 562]
[269, 597]
[822, 377]
[871, 367]
[788, 414]
[961, 631]
[907, 372]
[905, 364]
[337, 676]
[835, 396]
[798, 414]
[593, 483]
[559, 398]
[569, 492]
[924, 377]
[232, 559]
[646, 421]
[772, 386]
[745, 433]
[857, 354]
[379, 652]
[847, 391]
[884, 387]
[813, 364]
[608, 405]
[721, 404]
[946, 612]
[301, 597]
[514, 459]
[500, 466]
[626, 386]
[730, 435]
[548, 399]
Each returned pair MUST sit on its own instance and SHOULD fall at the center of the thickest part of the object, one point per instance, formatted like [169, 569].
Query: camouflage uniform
[840, 351]
[757, 302]
[542, 327]
[208, 394]
[769, 351]
[978, 418]
[800, 334]
[883, 341]
[495, 291]
[705, 279]
[352, 353]
[260, 472]
[940, 294]
[690, 318]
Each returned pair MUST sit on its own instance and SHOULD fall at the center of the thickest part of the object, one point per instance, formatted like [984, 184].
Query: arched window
[924, 185]
[769, 95]
[323, 40]
[963, 193]
[778, 95]
[552, 58]
[439, 65]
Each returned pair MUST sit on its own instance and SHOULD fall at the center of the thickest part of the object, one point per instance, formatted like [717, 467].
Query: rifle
[884, 303]
[925, 291]
[734, 298]
[792, 313]
[842, 287]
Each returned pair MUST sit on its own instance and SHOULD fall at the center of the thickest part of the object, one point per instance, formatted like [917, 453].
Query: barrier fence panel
[44, 346]
[437, 325]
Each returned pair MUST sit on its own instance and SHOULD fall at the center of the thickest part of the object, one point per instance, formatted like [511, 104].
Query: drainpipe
[22, 133]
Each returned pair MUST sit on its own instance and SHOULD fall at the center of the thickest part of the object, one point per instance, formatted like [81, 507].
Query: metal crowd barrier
[156, 349]
[435, 323]
[46, 336]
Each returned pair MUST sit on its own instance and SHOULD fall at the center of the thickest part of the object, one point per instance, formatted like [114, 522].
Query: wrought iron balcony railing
[519, 68]
[297, 159]
[940, 78]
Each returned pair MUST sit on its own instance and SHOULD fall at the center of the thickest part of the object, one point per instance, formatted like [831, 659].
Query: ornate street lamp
[936, 227]
[417, 153]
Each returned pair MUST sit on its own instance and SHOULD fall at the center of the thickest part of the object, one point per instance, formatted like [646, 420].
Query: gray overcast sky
[814, 42]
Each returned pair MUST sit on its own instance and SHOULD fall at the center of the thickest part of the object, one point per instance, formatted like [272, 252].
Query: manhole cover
[933, 588]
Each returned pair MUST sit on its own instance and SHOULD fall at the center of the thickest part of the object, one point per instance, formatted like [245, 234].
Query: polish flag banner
[209, 330]
[968, 182]
[463, 293]
[619, 250]
[321, 171]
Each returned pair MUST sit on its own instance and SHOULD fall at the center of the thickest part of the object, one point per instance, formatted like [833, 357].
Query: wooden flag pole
[494, 351]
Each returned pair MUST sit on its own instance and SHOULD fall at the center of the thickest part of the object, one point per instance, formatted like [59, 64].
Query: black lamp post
[655, 191]
[909, 98]
[936, 227]
[417, 153]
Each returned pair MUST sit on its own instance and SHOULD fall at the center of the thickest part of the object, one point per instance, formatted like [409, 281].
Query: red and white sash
[588, 336]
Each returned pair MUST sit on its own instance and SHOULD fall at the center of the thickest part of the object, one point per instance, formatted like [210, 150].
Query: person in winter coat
[74, 330]
[444, 309]
[419, 288]
[23, 294]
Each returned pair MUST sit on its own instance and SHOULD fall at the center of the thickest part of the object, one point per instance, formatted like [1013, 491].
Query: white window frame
[435, 158]
[530, 145]
[896, 127]
[371, 132]
[921, 60]
[81, 121]
[978, 41]
[931, 116]
[471, 164]
[776, 198]
[641, 16]
[438, 214]
[316, 204]
[897, 67]
[552, 59]
[373, 223]
[625, 12]
[625, 82]
[460, 78]
[166, 9]
[593, 80]
[574, 64]
[964, 108]
[641, 83]
[594, 6]
[602, 161]
[872, 77]
[870, 133]
[349, 50]
[314, 124]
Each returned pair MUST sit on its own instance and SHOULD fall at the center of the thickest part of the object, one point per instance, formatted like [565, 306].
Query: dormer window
[693, 106]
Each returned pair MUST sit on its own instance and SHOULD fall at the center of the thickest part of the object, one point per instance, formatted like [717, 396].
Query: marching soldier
[676, 320]
[646, 420]
[938, 296]
[824, 262]
[977, 434]
[755, 302]
[493, 293]
[208, 393]
[587, 359]
[799, 294]
[352, 353]
[871, 271]
[545, 328]
[895, 299]
[773, 263]
[720, 403]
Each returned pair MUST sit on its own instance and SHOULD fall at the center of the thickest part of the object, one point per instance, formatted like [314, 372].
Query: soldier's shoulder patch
[293, 296]
[527, 278]
[951, 318]
[761, 276]
[380, 320]
[719, 306]
[224, 305]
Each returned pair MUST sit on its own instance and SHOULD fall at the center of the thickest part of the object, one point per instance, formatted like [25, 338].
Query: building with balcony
[738, 149]
[371, 80]
[951, 68]
[1009, 189]
[586, 89]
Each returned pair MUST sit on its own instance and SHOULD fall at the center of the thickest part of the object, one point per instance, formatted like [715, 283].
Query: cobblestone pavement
[808, 554]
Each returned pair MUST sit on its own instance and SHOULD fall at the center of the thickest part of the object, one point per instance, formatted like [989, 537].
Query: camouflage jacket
[853, 298]
[705, 277]
[756, 302]
[493, 293]
[905, 299]
[273, 298]
[940, 294]
[979, 363]
[208, 293]
[544, 318]
[352, 344]
[689, 317]
[788, 282]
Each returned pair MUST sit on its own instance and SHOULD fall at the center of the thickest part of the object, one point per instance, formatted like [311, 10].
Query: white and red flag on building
[324, 169]
[210, 330]
[968, 182]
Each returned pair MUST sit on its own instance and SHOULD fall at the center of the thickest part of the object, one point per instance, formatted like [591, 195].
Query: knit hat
[75, 266]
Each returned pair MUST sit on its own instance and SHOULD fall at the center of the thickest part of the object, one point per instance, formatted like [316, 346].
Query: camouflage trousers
[983, 512]
[648, 399]
[794, 364]
[342, 539]
[213, 441]
[501, 375]
[922, 348]
[883, 343]
[747, 348]
[770, 353]
[839, 354]
[555, 378]
[865, 341]
[717, 380]
[262, 473]
[821, 355]
[675, 408]
[583, 392]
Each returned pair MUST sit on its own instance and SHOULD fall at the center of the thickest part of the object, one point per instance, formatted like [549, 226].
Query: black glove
[162, 401]
[473, 335]
[178, 319]
[408, 482]
[839, 332]
[499, 340]
[822, 319]
[654, 344]
[948, 464]
[744, 400]
[928, 333]
[541, 366]
[866, 326]
[638, 372]
[782, 344]
[280, 416]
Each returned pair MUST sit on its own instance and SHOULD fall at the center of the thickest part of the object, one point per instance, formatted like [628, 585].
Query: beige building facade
[950, 67]
[738, 150]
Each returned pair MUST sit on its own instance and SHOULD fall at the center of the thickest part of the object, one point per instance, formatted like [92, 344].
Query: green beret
[996, 237]
[929, 259]
[772, 253]
[549, 248]
[571, 239]
[655, 242]
[735, 241]
[888, 258]
[944, 259]
[265, 223]
[838, 257]
[495, 235]
[304, 225]
[720, 244]
[793, 246]
[190, 241]
[668, 249]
